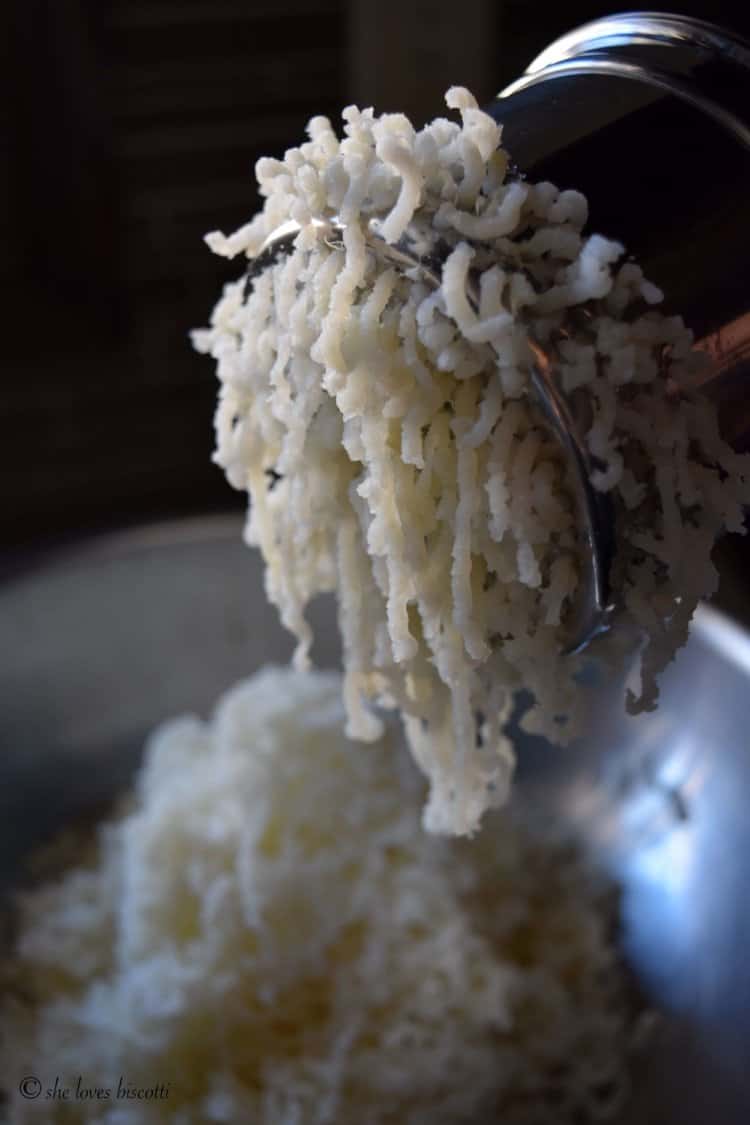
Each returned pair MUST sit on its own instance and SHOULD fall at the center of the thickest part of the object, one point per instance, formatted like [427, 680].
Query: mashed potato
[266, 935]
[393, 452]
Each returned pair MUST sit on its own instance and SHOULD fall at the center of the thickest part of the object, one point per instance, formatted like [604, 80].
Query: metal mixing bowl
[108, 640]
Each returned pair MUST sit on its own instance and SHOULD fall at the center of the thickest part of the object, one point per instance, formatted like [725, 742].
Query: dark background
[134, 126]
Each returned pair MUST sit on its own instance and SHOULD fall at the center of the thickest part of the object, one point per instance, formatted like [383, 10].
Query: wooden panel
[137, 125]
[403, 57]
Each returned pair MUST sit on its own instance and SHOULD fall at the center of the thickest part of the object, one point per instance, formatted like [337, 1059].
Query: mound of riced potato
[267, 934]
[393, 453]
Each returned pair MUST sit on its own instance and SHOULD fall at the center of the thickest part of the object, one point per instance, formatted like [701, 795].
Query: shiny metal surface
[628, 46]
[640, 29]
[628, 109]
[633, 72]
[106, 641]
[413, 251]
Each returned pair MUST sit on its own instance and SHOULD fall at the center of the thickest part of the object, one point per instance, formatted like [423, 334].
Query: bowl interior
[105, 642]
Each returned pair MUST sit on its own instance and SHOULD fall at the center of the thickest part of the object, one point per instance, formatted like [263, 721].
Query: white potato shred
[267, 935]
[393, 452]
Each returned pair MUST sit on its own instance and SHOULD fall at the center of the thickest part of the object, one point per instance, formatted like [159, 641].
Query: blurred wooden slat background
[133, 129]
[136, 126]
